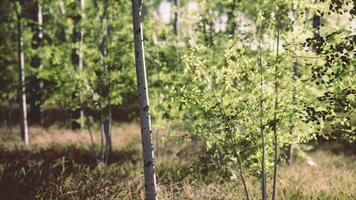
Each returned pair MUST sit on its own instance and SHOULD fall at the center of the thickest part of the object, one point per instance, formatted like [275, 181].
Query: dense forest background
[246, 91]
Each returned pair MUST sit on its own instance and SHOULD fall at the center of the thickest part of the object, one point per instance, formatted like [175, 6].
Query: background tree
[21, 68]
[35, 14]
[8, 62]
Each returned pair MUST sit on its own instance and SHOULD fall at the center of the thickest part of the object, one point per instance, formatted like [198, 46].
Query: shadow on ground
[26, 173]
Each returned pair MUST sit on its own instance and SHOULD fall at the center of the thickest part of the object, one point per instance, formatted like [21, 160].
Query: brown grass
[122, 135]
[59, 165]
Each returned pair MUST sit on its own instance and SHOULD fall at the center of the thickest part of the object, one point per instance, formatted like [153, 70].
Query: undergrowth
[66, 168]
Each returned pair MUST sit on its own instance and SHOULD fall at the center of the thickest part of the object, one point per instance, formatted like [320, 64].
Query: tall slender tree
[291, 122]
[145, 120]
[294, 97]
[263, 145]
[275, 117]
[81, 43]
[81, 58]
[77, 62]
[105, 86]
[21, 65]
[36, 83]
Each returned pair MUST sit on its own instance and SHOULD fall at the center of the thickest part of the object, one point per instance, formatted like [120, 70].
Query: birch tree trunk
[36, 62]
[105, 87]
[263, 166]
[81, 58]
[21, 65]
[145, 120]
[275, 117]
[76, 62]
[81, 53]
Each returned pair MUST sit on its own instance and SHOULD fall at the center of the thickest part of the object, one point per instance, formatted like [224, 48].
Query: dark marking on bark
[147, 164]
[146, 108]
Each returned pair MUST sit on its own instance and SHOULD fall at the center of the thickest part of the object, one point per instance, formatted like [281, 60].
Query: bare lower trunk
[157, 142]
[247, 196]
[11, 101]
[145, 120]
[21, 64]
[93, 148]
[77, 62]
[263, 170]
[106, 133]
[102, 142]
[105, 87]
[291, 123]
[275, 121]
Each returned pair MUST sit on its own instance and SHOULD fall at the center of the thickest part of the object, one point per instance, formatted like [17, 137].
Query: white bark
[145, 120]
[21, 65]
[38, 112]
[61, 6]
[81, 56]
[40, 21]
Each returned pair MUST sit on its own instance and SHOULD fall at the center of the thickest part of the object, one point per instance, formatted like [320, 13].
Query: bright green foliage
[74, 88]
[8, 54]
[222, 103]
[220, 95]
[333, 43]
[8, 49]
[206, 79]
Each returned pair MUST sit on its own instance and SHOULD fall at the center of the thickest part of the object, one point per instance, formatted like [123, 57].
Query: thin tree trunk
[211, 33]
[11, 101]
[291, 123]
[243, 179]
[105, 87]
[75, 58]
[107, 133]
[36, 83]
[102, 142]
[291, 128]
[157, 142]
[175, 20]
[21, 65]
[81, 53]
[61, 7]
[145, 120]
[263, 170]
[81, 60]
[231, 18]
[275, 137]
[93, 148]
[87, 123]
[106, 142]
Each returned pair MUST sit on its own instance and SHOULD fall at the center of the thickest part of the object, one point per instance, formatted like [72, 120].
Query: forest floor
[60, 164]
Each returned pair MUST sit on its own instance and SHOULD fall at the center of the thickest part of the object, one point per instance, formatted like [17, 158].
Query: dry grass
[59, 165]
[122, 135]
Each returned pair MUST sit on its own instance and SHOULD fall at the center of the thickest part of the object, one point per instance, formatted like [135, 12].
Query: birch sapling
[21, 65]
[145, 120]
